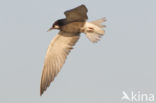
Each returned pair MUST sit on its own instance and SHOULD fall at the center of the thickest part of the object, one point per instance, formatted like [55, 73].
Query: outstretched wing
[56, 55]
[77, 14]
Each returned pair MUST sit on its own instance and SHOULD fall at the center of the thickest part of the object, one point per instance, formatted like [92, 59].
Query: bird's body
[73, 29]
[70, 29]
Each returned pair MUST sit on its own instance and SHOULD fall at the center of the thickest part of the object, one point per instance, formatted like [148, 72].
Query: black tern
[70, 29]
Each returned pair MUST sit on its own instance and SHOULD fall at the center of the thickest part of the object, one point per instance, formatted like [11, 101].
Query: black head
[58, 24]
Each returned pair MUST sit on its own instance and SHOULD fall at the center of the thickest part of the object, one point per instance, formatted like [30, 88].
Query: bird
[70, 27]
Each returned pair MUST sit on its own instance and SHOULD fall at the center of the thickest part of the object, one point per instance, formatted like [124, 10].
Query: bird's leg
[82, 30]
[90, 29]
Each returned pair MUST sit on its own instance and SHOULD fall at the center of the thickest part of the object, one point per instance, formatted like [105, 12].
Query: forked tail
[94, 31]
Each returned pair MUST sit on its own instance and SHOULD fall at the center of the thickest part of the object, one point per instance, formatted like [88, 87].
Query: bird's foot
[90, 29]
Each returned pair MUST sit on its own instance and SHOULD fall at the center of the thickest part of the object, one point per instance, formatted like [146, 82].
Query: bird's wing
[77, 14]
[56, 55]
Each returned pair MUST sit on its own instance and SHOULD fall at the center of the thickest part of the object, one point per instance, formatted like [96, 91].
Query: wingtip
[41, 92]
[82, 5]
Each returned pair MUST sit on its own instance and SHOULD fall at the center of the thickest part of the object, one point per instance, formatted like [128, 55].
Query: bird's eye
[56, 26]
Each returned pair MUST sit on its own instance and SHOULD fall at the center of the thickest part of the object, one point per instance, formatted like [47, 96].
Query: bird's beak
[50, 29]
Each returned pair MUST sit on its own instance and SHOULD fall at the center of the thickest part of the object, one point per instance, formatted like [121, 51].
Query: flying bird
[70, 29]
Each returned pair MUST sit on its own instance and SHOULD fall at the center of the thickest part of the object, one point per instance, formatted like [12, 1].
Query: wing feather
[77, 14]
[56, 55]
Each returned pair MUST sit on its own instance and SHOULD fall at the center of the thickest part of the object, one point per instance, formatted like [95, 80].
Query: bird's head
[57, 24]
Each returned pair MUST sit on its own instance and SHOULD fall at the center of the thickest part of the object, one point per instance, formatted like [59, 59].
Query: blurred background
[124, 59]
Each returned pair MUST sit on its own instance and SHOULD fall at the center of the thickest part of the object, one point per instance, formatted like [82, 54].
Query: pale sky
[124, 59]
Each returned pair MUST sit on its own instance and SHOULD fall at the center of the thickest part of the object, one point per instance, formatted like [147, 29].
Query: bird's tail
[93, 30]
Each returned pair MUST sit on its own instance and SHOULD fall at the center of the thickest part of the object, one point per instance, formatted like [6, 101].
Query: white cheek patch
[56, 27]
